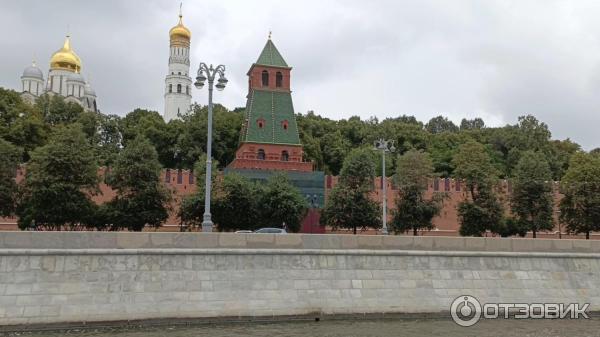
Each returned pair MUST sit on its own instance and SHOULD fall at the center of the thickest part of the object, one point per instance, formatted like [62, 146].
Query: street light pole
[384, 146]
[208, 73]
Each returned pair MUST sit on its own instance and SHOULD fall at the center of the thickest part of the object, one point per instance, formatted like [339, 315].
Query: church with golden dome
[64, 79]
[178, 83]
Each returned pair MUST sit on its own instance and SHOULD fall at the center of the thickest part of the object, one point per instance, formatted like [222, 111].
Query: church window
[265, 78]
[170, 88]
[279, 79]
[261, 123]
[95, 107]
[284, 124]
[179, 73]
[179, 88]
[187, 89]
[285, 156]
[261, 154]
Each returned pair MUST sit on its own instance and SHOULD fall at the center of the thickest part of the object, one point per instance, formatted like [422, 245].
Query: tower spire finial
[180, 14]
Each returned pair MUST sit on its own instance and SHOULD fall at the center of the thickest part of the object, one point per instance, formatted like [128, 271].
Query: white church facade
[64, 79]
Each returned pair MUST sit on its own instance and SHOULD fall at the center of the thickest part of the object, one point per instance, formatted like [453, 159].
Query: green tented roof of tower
[270, 56]
[270, 118]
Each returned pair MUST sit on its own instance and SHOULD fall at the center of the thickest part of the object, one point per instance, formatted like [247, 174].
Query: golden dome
[66, 59]
[180, 32]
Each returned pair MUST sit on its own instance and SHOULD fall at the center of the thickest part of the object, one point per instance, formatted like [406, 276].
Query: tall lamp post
[384, 146]
[208, 73]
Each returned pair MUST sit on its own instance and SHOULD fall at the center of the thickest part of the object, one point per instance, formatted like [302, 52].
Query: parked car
[244, 232]
[271, 231]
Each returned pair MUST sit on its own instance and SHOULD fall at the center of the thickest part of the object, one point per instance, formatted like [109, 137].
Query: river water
[356, 328]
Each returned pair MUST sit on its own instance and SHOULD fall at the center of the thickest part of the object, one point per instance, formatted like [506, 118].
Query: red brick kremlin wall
[182, 183]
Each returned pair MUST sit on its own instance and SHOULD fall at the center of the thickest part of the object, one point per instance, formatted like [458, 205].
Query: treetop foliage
[326, 142]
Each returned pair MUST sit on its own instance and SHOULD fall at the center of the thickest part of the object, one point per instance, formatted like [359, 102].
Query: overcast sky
[491, 59]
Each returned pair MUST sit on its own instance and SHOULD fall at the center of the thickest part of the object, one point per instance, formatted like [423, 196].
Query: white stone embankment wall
[79, 277]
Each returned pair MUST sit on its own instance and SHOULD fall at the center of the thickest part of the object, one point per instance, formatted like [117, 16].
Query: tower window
[265, 78]
[261, 123]
[279, 79]
[170, 88]
[261, 154]
[285, 156]
[179, 73]
[179, 88]
[187, 89]
[284, 124]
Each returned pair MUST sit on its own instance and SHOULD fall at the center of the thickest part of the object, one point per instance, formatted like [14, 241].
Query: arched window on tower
[265, 78]
[285, 156]
[261, 154]
[179, 88]
[279, 79]
[170, 88]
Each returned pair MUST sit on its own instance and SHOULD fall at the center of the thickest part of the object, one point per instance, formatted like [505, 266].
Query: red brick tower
[269, 137]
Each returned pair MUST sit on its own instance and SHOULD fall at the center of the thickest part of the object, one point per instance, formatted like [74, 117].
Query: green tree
[472, 124]
[12, 108]
[478, 216]
[358, 170]
[413, 210]
[481, 211]
[440, 124]
[474, 166]
[531, 199]
[580, 207]
[61, 177]
[191, 139]
[57, 111]
[191, 211]
[237, 204]
[20, 123]
[334, 149]
[349, 204]
[151, 125]
[282, 203]
[11, 158]
[108, 139]
[141, 199]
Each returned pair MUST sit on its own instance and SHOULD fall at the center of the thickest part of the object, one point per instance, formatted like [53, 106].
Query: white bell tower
[178, 83]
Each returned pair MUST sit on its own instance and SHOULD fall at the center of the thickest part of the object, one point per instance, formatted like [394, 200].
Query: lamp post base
[207, 226]
[384, 231]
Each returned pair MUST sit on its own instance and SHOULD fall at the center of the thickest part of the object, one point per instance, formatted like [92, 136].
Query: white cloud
[494, 59]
